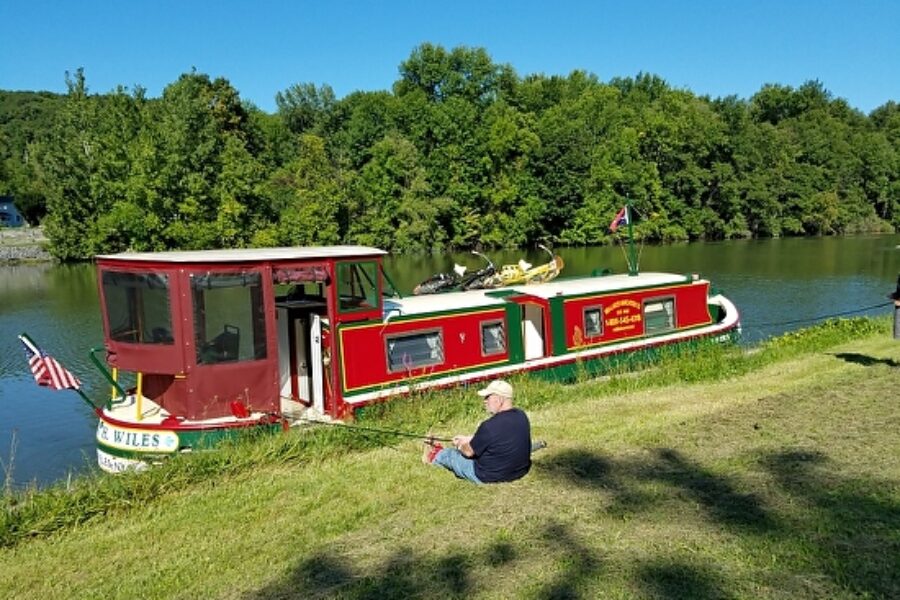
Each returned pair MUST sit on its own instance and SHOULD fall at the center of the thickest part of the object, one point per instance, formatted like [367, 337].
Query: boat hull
[127, 443]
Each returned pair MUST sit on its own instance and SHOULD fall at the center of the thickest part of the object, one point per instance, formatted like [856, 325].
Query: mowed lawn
[780, 483]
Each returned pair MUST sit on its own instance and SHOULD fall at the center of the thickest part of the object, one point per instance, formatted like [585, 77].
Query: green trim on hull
[624, 360]
[557, 315]
[514, 333]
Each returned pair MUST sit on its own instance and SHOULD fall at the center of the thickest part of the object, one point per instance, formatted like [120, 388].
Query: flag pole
[86, 399]
[29, 343]
[632, 259]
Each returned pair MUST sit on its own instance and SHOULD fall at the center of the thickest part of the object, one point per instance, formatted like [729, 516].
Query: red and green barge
[211, 343]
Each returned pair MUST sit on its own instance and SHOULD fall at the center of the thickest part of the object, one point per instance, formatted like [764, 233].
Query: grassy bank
[717, 475]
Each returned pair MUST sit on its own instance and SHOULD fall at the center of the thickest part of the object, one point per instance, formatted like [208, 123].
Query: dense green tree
[303, 106]
[76, 170]
[391, 206]
[308, 195]
[467, 73]
[359, 122]
[460, 153]
[26, 120]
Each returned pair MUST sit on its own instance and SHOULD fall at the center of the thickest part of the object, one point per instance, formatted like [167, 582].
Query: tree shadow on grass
[676, 580]
[407, 575]
[622, 480]
[852, 524]
[866, 360]
[844, 529]
[717, 494]
[596, 472]
[403, 575]
[581, 565]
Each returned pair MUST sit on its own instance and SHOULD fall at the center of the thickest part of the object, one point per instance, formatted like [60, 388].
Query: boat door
[533, 331]
[315, 363]
[293, 356]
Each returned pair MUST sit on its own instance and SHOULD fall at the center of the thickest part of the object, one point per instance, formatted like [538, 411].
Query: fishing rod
[417, 436]
[535, 445]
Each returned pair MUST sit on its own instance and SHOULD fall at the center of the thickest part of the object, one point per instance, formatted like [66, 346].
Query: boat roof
[603, 284]
[558, 287]
[247, 254]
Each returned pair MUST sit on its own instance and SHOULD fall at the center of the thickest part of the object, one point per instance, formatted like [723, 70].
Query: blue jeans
[453, 460]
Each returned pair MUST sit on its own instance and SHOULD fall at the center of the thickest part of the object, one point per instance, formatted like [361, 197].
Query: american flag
[46, 370]
[621, 218]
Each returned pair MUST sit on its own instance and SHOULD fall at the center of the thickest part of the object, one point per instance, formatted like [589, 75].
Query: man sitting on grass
[499, 451]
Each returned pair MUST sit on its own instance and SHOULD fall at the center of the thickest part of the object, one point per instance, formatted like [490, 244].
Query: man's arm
[463, 443]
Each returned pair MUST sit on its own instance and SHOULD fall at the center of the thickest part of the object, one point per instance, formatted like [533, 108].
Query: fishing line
[821, 317]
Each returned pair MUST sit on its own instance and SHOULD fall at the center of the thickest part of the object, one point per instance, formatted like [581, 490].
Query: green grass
[716, 474]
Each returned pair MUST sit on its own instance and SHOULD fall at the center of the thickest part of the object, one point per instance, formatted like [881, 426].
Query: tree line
[461, 153]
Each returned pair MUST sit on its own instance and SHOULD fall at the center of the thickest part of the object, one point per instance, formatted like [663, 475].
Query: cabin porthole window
[493, 338]
[593, 322]
[410, 351]
[659, 315]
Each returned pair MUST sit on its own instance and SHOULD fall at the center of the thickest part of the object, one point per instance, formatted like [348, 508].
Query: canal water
[778, 285]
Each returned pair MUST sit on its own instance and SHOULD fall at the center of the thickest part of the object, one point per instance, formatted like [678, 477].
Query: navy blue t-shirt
[502, 447]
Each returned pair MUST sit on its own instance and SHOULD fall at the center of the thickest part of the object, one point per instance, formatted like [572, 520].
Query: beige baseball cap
[499, 387]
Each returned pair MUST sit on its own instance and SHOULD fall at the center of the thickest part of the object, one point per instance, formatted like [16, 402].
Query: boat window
[229, 318]
[406, 352]
[659, 315]
[593, 323]
[357, 286]
[493, 338]
[137, 307]
[300, 284]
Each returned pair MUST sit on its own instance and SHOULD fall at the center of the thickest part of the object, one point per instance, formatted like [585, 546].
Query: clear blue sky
[264, 46]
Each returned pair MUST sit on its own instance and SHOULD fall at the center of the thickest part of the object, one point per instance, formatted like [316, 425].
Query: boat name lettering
[116, 464]
[619, 305]
[622, 316]
[135, 439]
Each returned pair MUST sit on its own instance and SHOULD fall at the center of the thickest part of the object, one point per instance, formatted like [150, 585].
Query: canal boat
[202, 345]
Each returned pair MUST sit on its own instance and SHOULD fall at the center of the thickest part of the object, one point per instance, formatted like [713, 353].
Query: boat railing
[117, 395]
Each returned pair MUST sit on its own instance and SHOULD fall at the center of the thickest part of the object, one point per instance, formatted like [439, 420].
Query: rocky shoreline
[23, 245]
[14, 254]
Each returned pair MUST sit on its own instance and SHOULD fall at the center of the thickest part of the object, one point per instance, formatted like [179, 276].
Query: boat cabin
[228, 334]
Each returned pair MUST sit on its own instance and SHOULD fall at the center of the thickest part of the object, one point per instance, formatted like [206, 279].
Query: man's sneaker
[431, 449]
